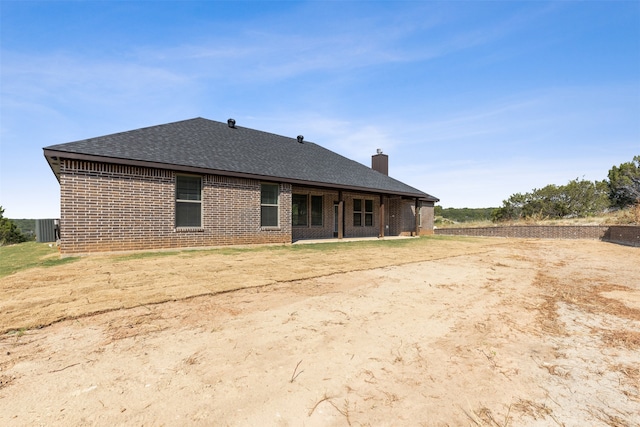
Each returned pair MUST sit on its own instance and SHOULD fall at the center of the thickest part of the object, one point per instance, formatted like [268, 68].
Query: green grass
[14, 258]
[328, 246]
[143, 255]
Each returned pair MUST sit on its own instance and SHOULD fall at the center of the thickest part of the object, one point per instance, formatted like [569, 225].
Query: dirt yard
[430, 331]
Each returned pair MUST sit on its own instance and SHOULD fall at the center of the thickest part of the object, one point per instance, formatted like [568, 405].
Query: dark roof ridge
[129, 131]
[266, 132]
[293, 139]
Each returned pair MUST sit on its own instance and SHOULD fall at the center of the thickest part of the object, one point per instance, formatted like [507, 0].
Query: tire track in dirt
[38, 298]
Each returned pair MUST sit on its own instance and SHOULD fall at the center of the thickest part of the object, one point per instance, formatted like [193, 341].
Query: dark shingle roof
[214, 146]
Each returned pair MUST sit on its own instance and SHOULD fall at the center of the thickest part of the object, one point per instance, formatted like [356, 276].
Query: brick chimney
[380, 162]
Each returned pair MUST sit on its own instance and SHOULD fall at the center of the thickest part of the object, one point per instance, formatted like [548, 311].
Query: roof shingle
[214, 146]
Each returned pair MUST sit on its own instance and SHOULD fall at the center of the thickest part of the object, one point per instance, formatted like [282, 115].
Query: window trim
[368, 214]
[177, 200]
[363, 213]
[277, 205]
[357, 213]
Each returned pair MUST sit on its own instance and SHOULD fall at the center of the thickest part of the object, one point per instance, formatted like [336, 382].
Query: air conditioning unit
[47, 230]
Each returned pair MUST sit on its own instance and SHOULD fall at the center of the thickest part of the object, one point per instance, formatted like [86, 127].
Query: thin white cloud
[276, 51]
[64, 75]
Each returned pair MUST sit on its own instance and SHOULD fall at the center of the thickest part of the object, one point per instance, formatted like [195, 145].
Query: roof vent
[231, 123]
[300, 139]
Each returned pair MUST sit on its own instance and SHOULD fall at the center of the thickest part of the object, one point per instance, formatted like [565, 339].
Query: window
[188, 201]
[299, 209]
[368, 213]
[300, 213]
[316, 210]
[357, 212]
[269, 205]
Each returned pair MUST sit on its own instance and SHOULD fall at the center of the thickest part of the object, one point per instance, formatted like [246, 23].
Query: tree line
[578, 198]
[464, 214]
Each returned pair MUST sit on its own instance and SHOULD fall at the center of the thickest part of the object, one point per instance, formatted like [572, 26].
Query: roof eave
[53, 157]
[53, 162]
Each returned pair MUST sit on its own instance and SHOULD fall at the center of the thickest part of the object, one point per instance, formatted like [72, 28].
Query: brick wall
[623, 234]
[108, 207]
[531, 231]
[329, 198]
[399, 216]
[394, 216]
[402, 220]
[351, 230]
[427, 215]
[408, 219]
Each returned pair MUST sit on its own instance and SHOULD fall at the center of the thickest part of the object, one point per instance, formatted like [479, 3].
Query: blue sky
[472, 101]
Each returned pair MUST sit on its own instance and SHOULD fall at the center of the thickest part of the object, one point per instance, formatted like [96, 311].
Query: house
[202, 183]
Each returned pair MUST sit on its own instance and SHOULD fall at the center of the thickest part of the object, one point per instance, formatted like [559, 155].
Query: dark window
[188, 201]
[269, 205]
[368, 213]
[299, 209]
[357, 212]
[316, 210]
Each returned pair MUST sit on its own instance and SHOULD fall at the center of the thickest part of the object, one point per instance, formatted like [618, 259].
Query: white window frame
[277, 205]
[177, 200]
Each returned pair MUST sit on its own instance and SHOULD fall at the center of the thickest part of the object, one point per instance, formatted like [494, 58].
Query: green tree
[464, 214]
[511, 209]
[9, 232]
[585, 198]
[624, 183]
[579, 198]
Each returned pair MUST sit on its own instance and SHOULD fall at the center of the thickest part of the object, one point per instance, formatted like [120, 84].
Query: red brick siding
[399, 216]
[531, 231]
[402, 219]
[108, 207]
[623, 234]
[426, 218]
[313, 231]
[351, 230]
[392, 213]
[408, 208]
[394, 210]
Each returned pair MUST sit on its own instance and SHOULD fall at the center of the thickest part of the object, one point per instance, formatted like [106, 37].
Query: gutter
[53, 157]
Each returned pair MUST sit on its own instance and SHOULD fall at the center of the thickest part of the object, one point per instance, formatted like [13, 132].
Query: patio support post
[340, 216]
[417, 215]
[382, 221]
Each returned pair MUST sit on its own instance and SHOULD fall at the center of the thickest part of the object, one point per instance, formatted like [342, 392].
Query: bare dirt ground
[434, 332]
